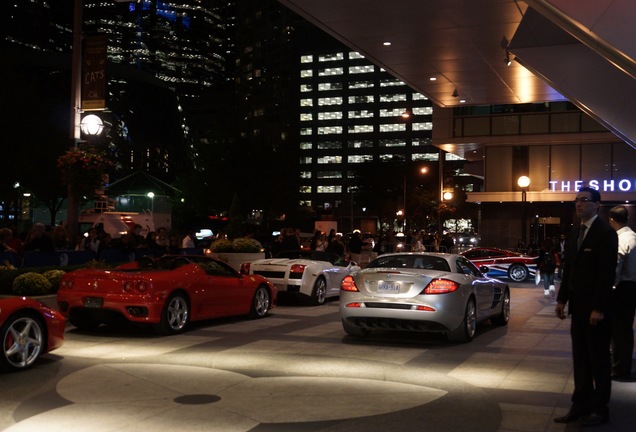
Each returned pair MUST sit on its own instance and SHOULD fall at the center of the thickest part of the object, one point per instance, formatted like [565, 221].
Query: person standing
[624, 296]
[561, 256]
[586, 287]
[547, 264]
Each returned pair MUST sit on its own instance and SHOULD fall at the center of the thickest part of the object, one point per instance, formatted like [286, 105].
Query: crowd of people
[48, 239]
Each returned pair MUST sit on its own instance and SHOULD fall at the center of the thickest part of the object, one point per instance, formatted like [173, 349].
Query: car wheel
[23, 341]
[356, 331]
[175, 315]
[503, 317]
[319, 293]
[518, 272]
[260, 303]
[466, 330]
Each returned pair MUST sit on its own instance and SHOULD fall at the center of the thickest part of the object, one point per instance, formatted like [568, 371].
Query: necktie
[581, 236]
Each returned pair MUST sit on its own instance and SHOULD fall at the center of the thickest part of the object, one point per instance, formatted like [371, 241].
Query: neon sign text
[622, 185]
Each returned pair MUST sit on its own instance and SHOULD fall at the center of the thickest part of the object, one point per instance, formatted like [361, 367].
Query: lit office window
[331, 57]
[329, 130]
[392, 128]
[422, 126]
[305, 174]
[329, 189]
[453, 157]
[330, 71]
[392, 157]
[361, 144]
[331, 115]
[423, 110]
[330, 101]
[307, 58]
[306, 131]
[361, 69]
[360, 129]
[422, 142]
[360, 84]
[329, 86]
[360, 114]
[355, 55]
[424, 157]
[306, 145]
[306, 73]
[395, 112]
[352, 159]
[306, 88]
[329, 174]
[304, 189]
[330, 159]
[393, 98]
[329, 145]
[361, 99]
[306, 117]
[392, 143]
[306, 102]
[305, 160]
[391, 83]
[419, 96]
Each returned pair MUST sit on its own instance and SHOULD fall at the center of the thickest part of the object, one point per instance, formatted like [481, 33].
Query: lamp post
[422, 170]
[523, 182]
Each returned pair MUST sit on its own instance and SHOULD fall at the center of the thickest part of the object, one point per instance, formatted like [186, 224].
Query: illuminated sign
[622, 185]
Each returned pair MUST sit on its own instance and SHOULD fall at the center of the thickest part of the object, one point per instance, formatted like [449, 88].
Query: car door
[226, 292]
[483, 287]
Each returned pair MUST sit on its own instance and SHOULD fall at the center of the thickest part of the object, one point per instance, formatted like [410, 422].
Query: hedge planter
[235, 259]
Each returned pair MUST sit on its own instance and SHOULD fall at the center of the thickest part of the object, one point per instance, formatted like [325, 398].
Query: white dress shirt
[626, 264]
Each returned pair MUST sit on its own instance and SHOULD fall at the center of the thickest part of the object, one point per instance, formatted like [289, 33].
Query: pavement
[297, 371]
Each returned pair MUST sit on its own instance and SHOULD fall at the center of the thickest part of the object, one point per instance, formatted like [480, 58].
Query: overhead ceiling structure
[484, 52]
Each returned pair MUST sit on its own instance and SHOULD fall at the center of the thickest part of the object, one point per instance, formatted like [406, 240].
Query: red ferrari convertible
[168, 292]
[28, 329]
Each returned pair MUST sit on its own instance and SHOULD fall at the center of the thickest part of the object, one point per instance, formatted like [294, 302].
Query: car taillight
[297, 268]
[348, 284]
[139, 286]
[440, 286]
[245, 268]
[67, 283]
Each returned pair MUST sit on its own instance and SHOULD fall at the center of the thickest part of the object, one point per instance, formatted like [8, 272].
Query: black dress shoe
[594, 419]
[622, 378]
[572, 415]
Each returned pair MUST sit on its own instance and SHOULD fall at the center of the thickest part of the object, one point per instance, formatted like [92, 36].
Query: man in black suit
[587, 282]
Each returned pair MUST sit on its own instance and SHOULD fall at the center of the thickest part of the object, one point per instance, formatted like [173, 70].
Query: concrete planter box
[235, 259]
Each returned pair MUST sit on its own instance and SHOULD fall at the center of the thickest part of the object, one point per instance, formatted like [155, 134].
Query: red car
[168, 292]
[503, 263]
[28, 329]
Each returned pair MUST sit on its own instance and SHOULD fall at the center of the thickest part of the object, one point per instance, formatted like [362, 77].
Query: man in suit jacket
[587, 282]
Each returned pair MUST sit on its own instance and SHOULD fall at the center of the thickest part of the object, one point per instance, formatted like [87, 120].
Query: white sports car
[314, 274]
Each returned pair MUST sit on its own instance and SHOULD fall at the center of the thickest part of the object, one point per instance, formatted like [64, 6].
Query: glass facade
[352, 113]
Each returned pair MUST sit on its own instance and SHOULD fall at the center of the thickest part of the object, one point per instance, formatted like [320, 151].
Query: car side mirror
[484, 269]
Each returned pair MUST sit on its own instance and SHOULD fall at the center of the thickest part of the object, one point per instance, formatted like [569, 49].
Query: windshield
[428, 262]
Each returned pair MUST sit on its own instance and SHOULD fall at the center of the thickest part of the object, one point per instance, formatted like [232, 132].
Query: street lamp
[523, 182]
[151, 195]
[92, 125]
[423, 170]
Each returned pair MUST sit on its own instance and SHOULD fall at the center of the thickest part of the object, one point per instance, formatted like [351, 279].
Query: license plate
[389, 287]
[93, 302]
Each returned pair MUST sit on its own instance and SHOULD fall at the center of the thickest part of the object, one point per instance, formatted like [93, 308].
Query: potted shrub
[236, 252]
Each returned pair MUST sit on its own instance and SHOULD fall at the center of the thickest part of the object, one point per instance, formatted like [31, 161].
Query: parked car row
[418, 291]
